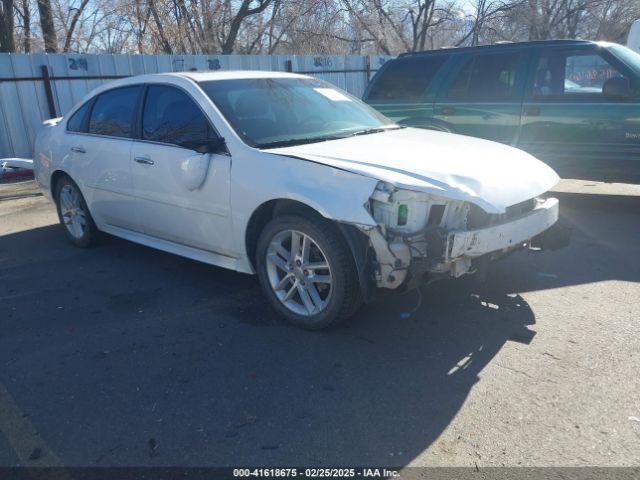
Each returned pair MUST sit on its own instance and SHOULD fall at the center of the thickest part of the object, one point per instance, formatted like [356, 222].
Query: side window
[406, 78]
[77, 121]
[565, 75]
[171, 116]
[112, 113]
[486, 78]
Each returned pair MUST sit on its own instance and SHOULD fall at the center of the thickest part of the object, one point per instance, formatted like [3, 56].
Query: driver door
[569, 122]
[183, 195]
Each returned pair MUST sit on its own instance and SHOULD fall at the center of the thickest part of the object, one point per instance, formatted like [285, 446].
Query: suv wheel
[307, 271]
[73, 213]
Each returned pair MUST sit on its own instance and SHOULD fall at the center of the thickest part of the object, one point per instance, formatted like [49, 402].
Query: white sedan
[288, 177]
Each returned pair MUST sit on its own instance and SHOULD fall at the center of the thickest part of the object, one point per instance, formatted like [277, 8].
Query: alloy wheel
[73, 213]
[299, 272]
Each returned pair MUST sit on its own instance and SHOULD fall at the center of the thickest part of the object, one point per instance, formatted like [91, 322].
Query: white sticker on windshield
[332, 94]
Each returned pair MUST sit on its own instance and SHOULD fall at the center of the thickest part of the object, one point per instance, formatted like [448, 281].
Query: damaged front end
[421, 237]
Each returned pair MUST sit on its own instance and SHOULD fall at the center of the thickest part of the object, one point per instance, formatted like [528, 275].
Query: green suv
[574, 104]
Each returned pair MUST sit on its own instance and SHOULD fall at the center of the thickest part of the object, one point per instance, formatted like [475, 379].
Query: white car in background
[288, 177]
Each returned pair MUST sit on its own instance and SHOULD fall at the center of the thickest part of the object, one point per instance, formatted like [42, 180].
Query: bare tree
[166, 46]
[610, 20]
[301, 26]
[245, 11]
[47, 26]
[25, 14]
[400, 25]
[486, 19]
[7, 43]
[141, 19]
[77, 12]
[556, 18]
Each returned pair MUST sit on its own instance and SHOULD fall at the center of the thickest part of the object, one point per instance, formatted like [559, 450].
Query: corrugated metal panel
[14, 108]
[24, 106]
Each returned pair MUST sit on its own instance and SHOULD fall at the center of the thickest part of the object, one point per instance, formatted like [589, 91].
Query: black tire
[344, 298]
[90, 231]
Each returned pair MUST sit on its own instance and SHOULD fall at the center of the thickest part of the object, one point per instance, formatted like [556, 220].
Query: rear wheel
[307, 271]
[73, 213]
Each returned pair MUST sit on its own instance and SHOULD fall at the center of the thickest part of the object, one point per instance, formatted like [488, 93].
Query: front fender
[334, 193]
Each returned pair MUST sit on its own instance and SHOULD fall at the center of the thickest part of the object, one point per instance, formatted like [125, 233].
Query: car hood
[489, 174]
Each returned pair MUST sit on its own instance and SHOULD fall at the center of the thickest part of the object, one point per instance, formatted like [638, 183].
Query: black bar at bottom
[382, 473]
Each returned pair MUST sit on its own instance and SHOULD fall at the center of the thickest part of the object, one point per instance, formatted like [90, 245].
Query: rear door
[101, 152]
[482, 96]
[567, 119]
[402, 92]
[183, 194]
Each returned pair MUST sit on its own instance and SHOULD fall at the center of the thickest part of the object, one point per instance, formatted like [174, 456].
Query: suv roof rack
[501, 44]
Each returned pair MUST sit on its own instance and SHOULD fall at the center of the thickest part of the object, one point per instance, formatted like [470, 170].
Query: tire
[73, 213]
[284, 280]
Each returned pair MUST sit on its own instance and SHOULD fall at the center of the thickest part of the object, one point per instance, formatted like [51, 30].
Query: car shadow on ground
[120, 345]
[122, 355]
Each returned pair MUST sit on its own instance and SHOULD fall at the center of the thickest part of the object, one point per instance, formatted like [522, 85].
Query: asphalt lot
[122, 355]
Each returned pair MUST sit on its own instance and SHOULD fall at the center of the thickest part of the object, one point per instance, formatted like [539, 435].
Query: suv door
[99, 137]
[569, 121]
[483, 95]
[184, 195]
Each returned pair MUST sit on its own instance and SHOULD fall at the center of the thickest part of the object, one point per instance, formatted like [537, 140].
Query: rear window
[112, 114]
[487, 78]
[77, 121]
[406, 78]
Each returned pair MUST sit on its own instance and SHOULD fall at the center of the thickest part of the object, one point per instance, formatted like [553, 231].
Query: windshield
[274, 112]
[628, 56]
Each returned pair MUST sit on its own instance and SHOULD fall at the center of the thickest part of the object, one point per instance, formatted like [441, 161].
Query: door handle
[78, 150]
[144, 160]
[531, 111]
[447, 111]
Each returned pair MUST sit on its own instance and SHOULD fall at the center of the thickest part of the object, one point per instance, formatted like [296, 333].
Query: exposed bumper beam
[475, 243]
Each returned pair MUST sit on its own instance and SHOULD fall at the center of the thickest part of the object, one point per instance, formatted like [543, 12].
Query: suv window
[490, 77]
[171, 116]
[563, 75]
[77, 121]
[112, 113]
[406, 78]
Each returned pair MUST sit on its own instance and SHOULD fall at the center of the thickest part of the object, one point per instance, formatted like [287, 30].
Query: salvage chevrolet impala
[290, 178]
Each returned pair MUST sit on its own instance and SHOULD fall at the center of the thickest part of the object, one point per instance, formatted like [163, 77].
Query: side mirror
[617, 88]
[216, 145]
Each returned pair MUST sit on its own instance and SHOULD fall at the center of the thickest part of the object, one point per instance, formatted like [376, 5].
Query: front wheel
[307, 271]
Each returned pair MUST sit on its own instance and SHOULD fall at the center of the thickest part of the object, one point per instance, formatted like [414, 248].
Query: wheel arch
[356, 241]
[55, 178]
[265, 213]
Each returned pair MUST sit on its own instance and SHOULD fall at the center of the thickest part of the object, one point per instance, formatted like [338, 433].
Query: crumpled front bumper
[502, 236]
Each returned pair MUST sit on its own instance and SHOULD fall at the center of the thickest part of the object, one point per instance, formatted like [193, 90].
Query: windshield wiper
[301, 141]
[298, 141]
[377, 130]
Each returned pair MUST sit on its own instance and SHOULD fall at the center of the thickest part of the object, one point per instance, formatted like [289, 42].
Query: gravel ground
[122, 355]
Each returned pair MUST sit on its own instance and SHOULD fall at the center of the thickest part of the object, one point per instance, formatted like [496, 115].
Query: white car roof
[193, 76]
[235, 74]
